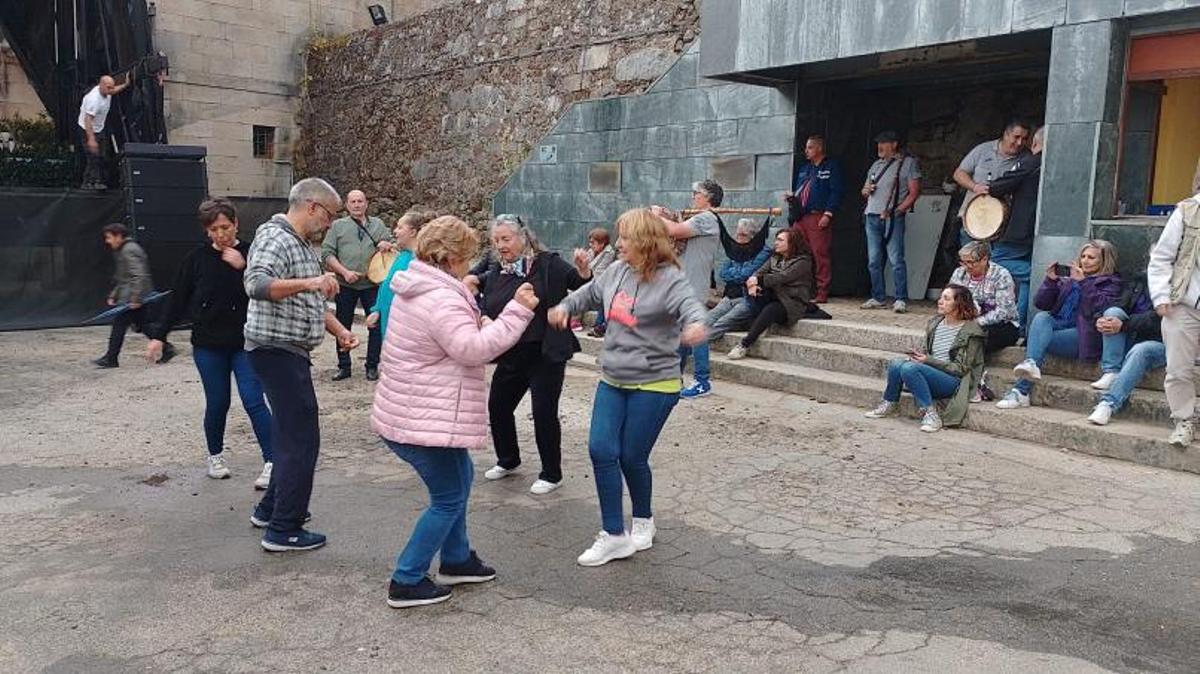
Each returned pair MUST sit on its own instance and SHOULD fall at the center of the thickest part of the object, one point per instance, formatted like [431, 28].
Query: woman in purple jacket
[1065, 326]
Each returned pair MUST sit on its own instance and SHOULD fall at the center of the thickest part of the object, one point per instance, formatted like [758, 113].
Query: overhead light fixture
[378, 16]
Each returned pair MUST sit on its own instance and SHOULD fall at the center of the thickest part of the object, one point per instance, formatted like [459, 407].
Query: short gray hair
[711, 189]
[311, 189]
[976, 250]
[532, 244]
[748, 224]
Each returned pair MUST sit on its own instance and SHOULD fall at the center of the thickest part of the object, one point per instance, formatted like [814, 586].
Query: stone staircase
[844, 360]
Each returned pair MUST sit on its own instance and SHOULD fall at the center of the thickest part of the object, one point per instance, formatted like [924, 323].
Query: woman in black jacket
[208, 289]
[538, 362]
[782, 288]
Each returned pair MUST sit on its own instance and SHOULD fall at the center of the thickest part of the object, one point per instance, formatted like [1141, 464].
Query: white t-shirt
[95, 104]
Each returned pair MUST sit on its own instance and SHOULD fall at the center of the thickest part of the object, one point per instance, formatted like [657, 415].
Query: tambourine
[379, 265]
[985, 217]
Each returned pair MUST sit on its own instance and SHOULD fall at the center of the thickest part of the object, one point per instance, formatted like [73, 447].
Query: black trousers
[772, 313]
[139, 319]
[999, 336]
[524, 368]
[295, 435]
[346, 300]
[95, 164]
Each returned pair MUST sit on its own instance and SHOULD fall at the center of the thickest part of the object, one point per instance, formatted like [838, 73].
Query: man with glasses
[994, 292]
[284, 323]
[346, 251]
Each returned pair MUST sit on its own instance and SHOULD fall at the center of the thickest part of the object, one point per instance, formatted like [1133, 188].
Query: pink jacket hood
[431, 389]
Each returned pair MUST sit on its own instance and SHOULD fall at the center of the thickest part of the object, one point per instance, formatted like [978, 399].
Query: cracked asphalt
[793, 535]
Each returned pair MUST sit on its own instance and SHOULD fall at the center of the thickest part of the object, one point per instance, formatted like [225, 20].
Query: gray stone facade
[605, 156]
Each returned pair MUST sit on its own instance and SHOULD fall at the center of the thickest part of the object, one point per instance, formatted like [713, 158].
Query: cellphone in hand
[1061, 269]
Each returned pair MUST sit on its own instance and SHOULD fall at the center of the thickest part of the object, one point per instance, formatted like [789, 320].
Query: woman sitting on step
[1133, 323]
[949, 367]
[1066, 325]
[782, 288]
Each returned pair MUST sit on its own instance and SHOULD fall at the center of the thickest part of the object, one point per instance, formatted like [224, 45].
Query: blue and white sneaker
[273, 541]
[697, 390]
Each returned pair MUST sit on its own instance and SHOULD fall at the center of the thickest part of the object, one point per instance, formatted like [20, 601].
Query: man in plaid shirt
[284, 323]
[994, 291]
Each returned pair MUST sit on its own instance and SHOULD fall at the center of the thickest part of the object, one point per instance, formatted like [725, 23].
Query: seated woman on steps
[1066, 325]
[950, 366]
[782, 288]
[1132, 321]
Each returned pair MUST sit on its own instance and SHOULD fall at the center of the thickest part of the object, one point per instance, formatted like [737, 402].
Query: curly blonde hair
[445, 240]
[646, 236]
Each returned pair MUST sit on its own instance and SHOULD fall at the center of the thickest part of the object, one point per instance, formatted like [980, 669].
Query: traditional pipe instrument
[689, 212]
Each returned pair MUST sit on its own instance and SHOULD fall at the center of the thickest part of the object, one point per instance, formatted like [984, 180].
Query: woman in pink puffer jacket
[431, 401]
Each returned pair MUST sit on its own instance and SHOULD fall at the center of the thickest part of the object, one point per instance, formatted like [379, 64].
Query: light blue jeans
[879, 248]
[1043, 339]
[925, 382]
[1141, 359]
[447, 474]
[1017, 261]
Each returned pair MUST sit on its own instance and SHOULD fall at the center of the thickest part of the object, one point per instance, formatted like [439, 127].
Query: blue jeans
[295, 435]
[1017, 260]
[447, 474]
[1143, 357]
[1043, 339]
[731, 313]
[215, 366]
[702, 370]
[625, 426]
[879, 245]
[1113, 353]
[925, 382]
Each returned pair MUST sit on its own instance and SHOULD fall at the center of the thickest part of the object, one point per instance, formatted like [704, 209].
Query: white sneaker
[643, 533]
[1012, 400]
[738, 352]
[1183, 434]
[216, 467]
[1105, 381]
[497, 472]
[900, 307]
[1027, 369]
[931, 422]
[886, 408]
[607, 548]
[872, 304]
[264, 479]
[1101, 414]
[541, 487]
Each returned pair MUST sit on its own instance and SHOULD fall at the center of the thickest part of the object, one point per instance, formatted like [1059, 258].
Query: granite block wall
[605, 156]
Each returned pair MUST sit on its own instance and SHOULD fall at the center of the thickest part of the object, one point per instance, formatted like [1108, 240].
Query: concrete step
[1052, 391]
[886, 336]
[1122, 439]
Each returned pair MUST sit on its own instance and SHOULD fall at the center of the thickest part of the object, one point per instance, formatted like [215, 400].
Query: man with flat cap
[892, 187]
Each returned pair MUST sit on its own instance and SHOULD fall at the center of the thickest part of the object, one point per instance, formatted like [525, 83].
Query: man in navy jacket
[818, 193]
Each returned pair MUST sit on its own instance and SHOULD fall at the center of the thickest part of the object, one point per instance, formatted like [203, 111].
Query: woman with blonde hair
[1071, 298]
[646, 298]
[431, 402]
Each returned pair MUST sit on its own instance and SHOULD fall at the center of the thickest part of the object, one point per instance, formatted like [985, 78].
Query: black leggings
[772, 314]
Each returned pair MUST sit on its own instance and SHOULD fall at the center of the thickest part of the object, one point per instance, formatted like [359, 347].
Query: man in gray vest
[346, 251]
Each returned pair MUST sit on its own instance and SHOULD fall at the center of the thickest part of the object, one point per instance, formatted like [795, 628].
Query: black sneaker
[105, 363]
[342, 373]
[259, 519]
[471, 571]
[372, 374]
[168, 353]
[297, 540]
[423, 593]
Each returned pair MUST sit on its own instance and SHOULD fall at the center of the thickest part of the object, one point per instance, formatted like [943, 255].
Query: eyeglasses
[332, 215]
[969, 262]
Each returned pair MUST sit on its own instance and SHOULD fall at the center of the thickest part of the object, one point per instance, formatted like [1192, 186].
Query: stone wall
[17, 96]
[440, 109]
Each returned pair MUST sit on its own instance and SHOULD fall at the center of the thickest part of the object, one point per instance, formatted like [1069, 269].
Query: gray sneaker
[872, 304]
[737, 352]
[900, 307]
[931, 422]
[1183, 434]
[886, 408]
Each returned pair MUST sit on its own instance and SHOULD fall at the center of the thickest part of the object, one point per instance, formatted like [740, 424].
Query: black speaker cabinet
[164, 186]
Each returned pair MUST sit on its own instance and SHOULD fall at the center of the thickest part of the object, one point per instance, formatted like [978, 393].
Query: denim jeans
[731, 313]
[295, 435]
[215, 367]
[1143, 357]
[447, 474]
[1017, 260]
[347, 299]
[1042, 340]
[1113, 353]
[625, 426]
[879, 247]
[925, 382]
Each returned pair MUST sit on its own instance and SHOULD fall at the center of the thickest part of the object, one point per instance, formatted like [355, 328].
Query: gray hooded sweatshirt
[645, 318]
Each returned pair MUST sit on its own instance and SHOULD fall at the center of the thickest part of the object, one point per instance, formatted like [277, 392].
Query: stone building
[17, 97]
